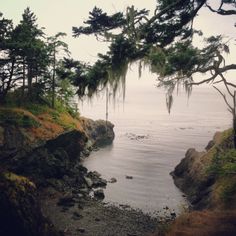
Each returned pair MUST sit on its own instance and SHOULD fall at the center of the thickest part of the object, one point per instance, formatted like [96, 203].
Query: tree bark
[23, 85]
[53, 77]
[234, 121]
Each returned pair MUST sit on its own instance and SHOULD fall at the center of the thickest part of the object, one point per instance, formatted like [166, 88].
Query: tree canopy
[29, 63]
[163, 40]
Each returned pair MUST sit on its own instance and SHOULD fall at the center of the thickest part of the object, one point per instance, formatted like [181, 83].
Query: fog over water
[149, 142]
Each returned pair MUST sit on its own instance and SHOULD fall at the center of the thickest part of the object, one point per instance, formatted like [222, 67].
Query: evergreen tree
[32, 50]
[56, 46]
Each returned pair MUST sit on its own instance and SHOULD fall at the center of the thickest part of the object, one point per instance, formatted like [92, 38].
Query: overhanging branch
[225, 99]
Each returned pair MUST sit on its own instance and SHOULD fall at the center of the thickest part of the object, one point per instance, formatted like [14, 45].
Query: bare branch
[221, 11]
[226, 85]
[205, 80]
[225, 99]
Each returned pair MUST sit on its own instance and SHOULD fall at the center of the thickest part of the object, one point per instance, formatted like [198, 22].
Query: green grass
[36, 109]
[224, 163]
[9, 117]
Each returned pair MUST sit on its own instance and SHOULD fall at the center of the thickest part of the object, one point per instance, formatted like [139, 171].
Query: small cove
[149, 142]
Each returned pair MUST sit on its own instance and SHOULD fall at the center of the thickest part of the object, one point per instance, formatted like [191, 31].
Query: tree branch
[225, 99]
[169, 7]
[221, 11]
[226, 85]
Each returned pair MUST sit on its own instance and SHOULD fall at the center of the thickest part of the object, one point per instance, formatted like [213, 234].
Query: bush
[224, 163]
[228, 192]
[223, 167]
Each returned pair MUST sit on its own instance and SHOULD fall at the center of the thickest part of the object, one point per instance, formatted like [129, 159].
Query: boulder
[99, 132]
[99, 194]
[72, 142]
[190, 176]
[20, 211]
[113, 180]
[53, 159]
[97, 181]
[88, 181]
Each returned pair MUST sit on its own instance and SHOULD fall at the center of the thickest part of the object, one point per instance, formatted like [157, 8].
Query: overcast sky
[61, 15]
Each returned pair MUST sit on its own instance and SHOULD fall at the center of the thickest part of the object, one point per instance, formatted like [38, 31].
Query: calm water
[149, 142]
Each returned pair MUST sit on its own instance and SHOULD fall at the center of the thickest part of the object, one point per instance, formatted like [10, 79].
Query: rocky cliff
[193, 174]
[46, 151]
[208, 179]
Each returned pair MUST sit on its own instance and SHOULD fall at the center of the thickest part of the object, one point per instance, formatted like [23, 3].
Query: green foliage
[179, 59]
[65, 91]
[61, 107]
[17, 118]
[228, 192]
[99, 22]
[35, 108]
[224, 163]
[55, 114]
[182, 57]
[121, 50]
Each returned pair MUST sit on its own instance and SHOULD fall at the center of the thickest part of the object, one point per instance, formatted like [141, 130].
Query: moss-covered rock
[20, 213]
[198, 174]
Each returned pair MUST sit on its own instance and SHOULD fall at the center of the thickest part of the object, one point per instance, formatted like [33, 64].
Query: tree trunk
[234, 120]
[53, 78]
[29, 81]
[23, 85]
[234, 131]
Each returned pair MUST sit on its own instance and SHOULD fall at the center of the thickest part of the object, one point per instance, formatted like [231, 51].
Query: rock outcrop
[189, 176]
[53, 158]
[99, 132]
[192, 174]
[51, 162]
[20, 213]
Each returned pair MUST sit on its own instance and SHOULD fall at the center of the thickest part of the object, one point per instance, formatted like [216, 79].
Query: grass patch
[11, 117]
[59, 118]
[36, 109]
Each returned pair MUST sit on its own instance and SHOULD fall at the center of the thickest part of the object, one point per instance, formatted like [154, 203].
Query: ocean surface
[150, 142]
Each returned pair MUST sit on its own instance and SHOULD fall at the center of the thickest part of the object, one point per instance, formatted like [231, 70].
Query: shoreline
[57, 182]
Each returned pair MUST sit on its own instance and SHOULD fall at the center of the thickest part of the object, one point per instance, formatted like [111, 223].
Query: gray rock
[88, 181]
[189, 178]
[84, 190]
[113, 180]
[99, 132]
[99, 194]
[95, 173]
[76, 215]
[99, 183]
[210, 145]
[129, 177]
